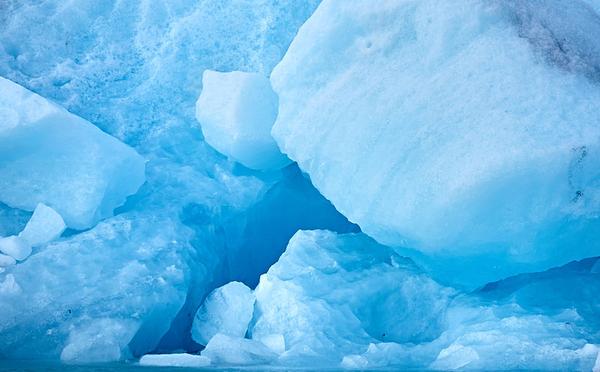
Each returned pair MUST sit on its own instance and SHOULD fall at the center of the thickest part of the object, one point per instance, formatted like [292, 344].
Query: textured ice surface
[237, 111]
[330, 295]
[174, 360]
[134, 67]
[48, 155]
[101, 294]
[466, 130]
[488, 161]
[227, 350]
[343, 300]
[44, 226]
[226, 310]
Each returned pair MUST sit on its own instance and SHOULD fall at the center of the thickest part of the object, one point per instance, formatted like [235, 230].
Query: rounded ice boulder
[227, 310]
[468, 130]
[236, 111]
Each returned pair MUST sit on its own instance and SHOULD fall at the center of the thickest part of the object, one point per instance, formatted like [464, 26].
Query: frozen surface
[227, 310]
[44, 226]
[330, 295]
[174, 360]
[227, 350]
[324, 303]
[467, 130]
[237, 111]
[50, 156]
[112, 291]
[134, 68]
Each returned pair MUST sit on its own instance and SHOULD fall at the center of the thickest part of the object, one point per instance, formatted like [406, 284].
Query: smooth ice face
[236, 111]
[462, 129]
[227, 310]
[50, 156]
[330, 295]
[44, 226]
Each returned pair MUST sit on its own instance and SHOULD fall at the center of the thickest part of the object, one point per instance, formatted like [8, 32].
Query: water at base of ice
[54, 366]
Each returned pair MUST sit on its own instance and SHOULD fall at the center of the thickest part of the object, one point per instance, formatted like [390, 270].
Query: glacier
[300, 184]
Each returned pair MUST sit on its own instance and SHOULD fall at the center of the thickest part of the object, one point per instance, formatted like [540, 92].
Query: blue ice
[405, 184]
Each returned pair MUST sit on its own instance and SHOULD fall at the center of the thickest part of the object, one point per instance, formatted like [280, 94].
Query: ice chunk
[236, 111]
[482, 337]
[175, 360]
[6, 260]
[227, 310]
[44, 226]
[330, 295]
[440, 126]
[16, 247]
[98, 340]
[134, 270]
[227, 350]
[275, 342]
[50, 156]
[454, 357]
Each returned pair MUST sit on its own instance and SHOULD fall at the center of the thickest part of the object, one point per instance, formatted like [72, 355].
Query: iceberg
[50, 156]
[467, 131]
[236, 111]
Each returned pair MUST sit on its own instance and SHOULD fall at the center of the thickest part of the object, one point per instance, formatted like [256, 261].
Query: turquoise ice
[281, 184]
